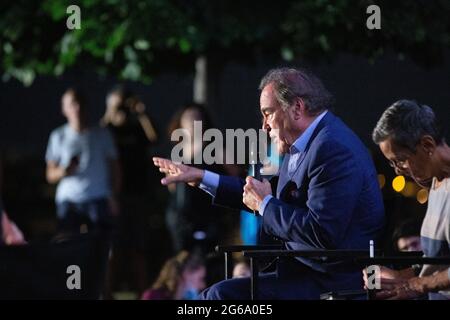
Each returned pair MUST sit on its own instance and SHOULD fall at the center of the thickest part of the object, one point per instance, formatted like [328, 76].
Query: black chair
[229, 250]
[256, 253]
[360, 257]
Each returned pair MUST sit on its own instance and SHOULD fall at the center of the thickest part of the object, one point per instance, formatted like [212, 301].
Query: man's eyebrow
[265, 109]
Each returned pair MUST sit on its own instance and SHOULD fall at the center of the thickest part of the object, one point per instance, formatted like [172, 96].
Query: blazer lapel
[297, 177]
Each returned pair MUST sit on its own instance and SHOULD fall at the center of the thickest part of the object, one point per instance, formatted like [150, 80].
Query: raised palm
[178, 172]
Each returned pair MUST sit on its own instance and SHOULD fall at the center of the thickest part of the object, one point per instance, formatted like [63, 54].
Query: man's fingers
[385, 294]
[161, 162]
[166, 166]
[174, 167]
[164, 170]
[171, 179]
[156, 160]
[388, 284]
[391, 281]
[365, 276]
[252, 181]
[249, 181]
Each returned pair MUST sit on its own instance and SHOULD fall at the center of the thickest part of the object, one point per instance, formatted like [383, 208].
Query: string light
[410, 189]
[381, 180]
[398, 184]
[422, 196]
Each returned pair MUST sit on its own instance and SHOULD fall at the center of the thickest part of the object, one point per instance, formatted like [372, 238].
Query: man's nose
[402, 172]
[265, 126]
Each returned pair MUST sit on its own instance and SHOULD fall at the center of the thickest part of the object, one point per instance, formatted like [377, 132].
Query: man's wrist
[64, 172]
[209, 182]
[196, 178]
[419, 285]
[201, 175]
[438, 281]
[262, 205]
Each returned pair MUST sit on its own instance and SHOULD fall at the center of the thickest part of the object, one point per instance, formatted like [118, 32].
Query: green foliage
[136, 39]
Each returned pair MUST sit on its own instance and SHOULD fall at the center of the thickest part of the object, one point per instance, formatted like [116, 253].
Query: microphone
[255, 166]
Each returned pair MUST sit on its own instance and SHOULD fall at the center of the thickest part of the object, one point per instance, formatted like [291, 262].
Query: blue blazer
[333, 201]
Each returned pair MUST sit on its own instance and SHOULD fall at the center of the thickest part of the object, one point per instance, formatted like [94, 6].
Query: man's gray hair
[406, 122]
[291, 84]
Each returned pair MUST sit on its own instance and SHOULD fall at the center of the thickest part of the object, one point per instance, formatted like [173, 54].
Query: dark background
[366, 70]
[362, 91]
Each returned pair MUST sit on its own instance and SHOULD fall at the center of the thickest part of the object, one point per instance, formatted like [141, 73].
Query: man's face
[113, 101]
[195, 279]
[415, 165]
[411, 243]
[276, 121]
[70, 108]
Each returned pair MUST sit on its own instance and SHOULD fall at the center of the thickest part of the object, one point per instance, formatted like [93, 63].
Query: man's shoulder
[59, 131]
[100, 132]
[336, 141]
[336, 134]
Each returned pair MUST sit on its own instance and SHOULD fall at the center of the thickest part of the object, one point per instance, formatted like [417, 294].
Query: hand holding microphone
[255, 190]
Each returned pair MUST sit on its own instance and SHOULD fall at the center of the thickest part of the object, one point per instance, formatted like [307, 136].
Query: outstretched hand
[178, 172]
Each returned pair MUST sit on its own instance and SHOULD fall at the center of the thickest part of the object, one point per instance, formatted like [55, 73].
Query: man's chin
[282, 148]
[426, 183]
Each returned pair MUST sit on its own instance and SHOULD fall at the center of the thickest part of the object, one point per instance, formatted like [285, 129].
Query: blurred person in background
[241, 269]
[82, 161]
[10, 234]
[406, 236]
[134, 134]
[189, 215]
[181, 278]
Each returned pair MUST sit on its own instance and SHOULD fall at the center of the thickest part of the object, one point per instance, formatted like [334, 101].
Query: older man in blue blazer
[327, 194]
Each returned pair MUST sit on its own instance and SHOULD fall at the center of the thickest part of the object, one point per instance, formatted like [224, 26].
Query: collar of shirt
[300, 144]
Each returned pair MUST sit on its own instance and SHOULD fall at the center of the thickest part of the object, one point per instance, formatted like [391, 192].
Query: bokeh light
[422, 196]
[398, 184]
[381, 180]
[410, 189]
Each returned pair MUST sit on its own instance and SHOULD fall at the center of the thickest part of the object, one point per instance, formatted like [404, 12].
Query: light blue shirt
[210, 181]
[94, 148]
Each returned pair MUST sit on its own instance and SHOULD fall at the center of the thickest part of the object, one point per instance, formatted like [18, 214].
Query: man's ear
[428, 144]
[299, 110]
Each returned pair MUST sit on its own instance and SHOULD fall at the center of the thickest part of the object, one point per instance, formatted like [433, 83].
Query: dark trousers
[291, 281]
[94, 215]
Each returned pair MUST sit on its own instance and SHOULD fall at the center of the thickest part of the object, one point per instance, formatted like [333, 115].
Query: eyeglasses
[399, 164]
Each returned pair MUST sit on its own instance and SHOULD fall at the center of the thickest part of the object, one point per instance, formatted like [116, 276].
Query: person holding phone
[82, 160]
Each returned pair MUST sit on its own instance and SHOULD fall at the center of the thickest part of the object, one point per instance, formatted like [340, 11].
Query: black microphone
[254, 164]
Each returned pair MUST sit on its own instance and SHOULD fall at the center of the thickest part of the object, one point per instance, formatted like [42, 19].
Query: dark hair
[170, 274]
[120, 90]
[291, 84]
[78, 96]
[406, 122]
[408, 228]
[175, 123]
